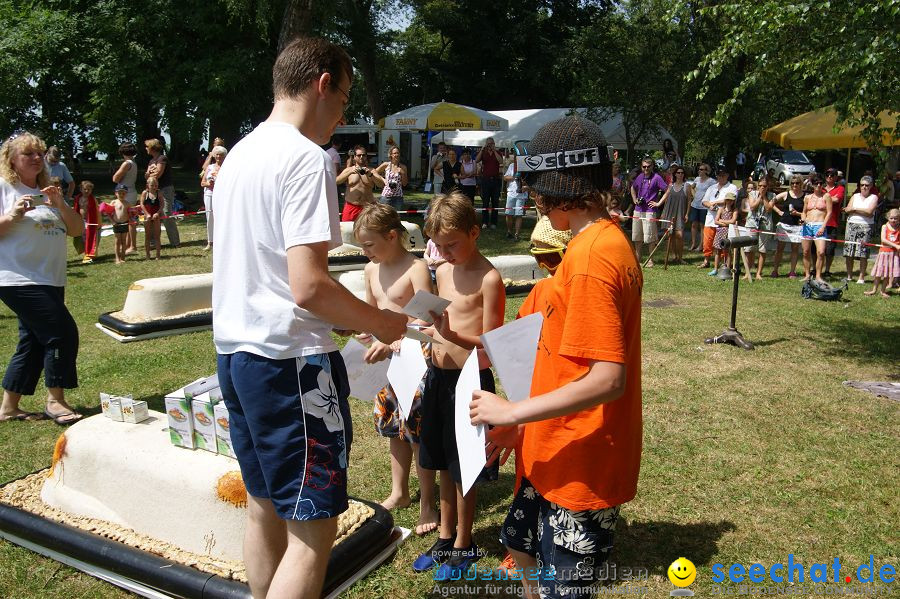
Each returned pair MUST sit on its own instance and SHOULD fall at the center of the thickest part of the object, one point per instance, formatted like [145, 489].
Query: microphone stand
[731, 334]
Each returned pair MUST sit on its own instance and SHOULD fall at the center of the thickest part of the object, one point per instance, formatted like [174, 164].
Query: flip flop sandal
[60, 419]
[25, 417]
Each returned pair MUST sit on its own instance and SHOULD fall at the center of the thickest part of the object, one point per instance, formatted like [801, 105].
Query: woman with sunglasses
[34, 223]
[674, 204]
[816, 212]
[860, 212]
[789, 225]
[697, 214]
[760, 203]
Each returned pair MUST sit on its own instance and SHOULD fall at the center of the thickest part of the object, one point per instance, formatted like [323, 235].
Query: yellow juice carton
[223, 431]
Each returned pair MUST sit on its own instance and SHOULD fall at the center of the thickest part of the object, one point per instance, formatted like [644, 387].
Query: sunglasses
[548, 259]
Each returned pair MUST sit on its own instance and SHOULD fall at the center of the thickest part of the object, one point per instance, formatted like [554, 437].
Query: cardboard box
[181, 422]
[134, 411]
[201, 386]
[223, 430]
[202, 412]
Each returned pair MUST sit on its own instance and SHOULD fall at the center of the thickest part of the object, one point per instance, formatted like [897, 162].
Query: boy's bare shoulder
[370, 268]
[419, 264]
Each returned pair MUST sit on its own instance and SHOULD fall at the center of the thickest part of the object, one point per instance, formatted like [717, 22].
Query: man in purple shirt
[645, 192]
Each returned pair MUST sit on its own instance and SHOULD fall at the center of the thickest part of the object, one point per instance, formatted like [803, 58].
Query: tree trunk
[365, 51]
[296, 21]
[366, 62]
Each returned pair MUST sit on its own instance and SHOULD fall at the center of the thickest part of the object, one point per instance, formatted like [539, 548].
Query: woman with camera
[33, 227]
[395, 178]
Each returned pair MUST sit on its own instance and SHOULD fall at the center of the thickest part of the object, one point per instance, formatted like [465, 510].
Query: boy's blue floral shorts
[570, 547]
[291, 430]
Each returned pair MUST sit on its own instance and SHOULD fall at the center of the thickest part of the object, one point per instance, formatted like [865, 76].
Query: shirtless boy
[120, 217]
[360, 180]
[478, 299]
[393, 276]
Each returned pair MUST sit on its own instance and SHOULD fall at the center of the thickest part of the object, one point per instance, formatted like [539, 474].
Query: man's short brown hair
[303, 61]
[154, 144]
[450, 212]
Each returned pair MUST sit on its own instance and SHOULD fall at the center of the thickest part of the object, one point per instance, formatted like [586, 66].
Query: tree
[839, 52]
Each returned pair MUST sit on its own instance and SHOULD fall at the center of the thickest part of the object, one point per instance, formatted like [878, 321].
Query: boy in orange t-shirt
[578, 437]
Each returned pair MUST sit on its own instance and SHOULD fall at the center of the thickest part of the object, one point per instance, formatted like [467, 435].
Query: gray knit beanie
[567, 136]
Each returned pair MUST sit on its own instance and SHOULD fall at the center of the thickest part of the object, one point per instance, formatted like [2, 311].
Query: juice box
[112, 406]
[134, 411]
[223, 432]
[181, 422]
[203, 416]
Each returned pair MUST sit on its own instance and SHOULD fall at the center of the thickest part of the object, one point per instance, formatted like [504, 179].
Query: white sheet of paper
[423, 302]
[418, 335]
[470, 440]
[366, 380]
[405, 373]
[512, 349]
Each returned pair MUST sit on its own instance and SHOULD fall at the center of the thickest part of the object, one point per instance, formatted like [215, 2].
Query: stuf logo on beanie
[534, 162]
[561, 160]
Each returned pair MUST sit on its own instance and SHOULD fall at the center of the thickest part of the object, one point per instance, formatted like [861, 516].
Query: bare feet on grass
[396, 501]
[428, 520]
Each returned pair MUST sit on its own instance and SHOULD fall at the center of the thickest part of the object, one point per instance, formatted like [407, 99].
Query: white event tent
[523, 124]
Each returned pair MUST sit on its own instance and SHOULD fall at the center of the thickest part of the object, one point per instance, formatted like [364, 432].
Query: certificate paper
[512, 349]
[470, 440]
[422, 303]
[366, 380]
[405, 373]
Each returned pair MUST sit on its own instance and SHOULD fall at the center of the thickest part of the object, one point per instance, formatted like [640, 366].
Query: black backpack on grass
[813, 289]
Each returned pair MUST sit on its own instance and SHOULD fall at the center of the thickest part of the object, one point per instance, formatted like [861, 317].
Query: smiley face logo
[682, 572]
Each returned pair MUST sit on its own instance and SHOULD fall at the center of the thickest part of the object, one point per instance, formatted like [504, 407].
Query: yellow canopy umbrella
[445, 116]
[815, 131]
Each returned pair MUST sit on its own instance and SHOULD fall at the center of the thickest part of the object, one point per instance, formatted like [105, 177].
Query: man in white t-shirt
[711, 201]
[516, 194]
[335, 153]
[274, 306]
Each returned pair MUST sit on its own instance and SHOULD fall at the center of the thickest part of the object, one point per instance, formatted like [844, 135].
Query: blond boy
[120, 218]
[478, 299]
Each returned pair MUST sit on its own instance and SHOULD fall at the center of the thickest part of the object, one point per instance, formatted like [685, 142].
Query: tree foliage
[93, 73]
[838, 52]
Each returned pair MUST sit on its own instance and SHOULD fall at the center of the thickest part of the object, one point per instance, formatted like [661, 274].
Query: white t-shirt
[700, 188]
[862, 203]
[33, 250]
[512, 188]
[130, 180]
[714, 196]
[335, 157]
[275, 191]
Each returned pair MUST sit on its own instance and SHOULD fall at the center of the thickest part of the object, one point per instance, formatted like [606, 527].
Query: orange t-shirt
[588, 460]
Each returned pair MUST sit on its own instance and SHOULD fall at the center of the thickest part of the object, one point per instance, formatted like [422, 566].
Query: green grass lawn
[748, 456]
